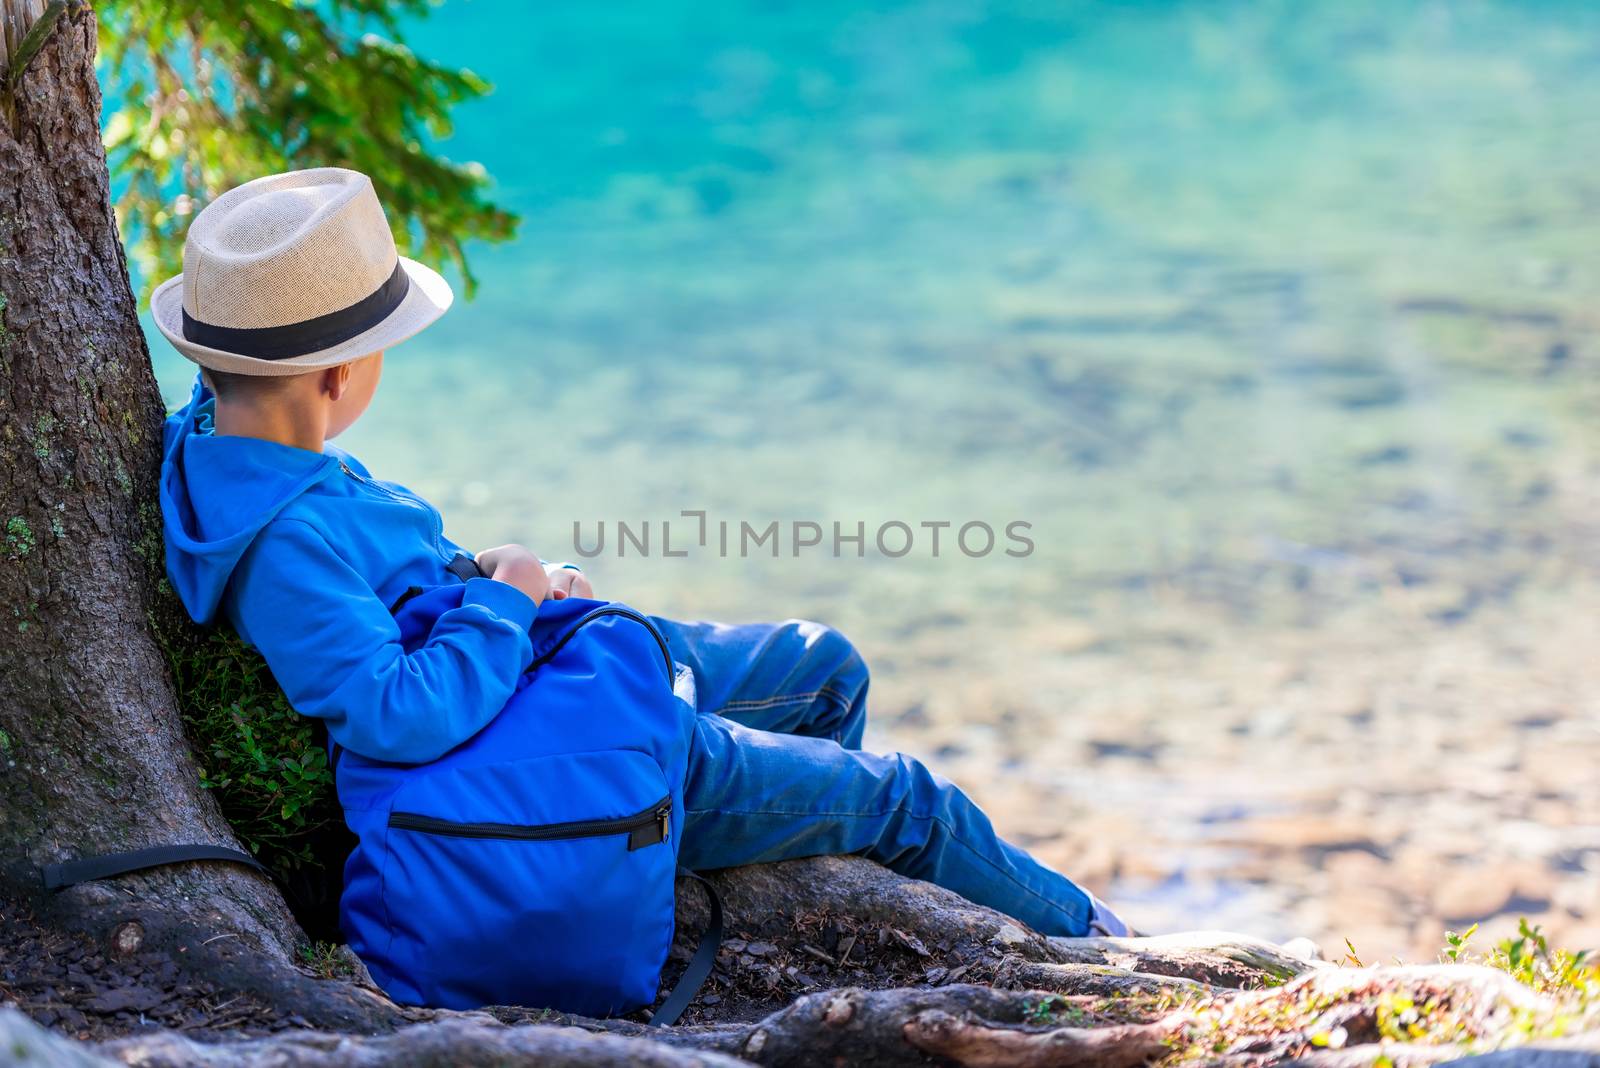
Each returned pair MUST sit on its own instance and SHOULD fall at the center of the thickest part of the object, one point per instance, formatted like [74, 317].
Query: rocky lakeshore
[1381, 777]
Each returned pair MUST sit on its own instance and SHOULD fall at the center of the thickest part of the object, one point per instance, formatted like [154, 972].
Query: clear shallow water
[1259, 311]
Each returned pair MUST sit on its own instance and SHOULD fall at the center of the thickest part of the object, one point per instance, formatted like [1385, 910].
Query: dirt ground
[69, 983]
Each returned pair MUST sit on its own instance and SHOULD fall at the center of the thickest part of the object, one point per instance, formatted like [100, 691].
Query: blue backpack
[535, 863]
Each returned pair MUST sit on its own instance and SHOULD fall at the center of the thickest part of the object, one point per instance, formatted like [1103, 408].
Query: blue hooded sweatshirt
[302, 552]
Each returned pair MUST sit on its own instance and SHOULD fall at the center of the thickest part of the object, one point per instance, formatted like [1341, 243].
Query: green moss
[264, 761]
[149, 544]
[19, 536]
[42, 430]
[5, 743]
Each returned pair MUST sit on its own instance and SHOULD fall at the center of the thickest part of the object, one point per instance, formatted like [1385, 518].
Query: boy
[291, 290]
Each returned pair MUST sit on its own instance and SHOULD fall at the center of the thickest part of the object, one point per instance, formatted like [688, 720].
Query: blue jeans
[776, 771]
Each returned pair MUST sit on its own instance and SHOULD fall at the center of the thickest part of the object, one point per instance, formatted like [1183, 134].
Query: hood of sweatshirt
[217, 492]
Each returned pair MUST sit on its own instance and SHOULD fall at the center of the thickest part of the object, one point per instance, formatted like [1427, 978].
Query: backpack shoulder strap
[71, 872]
[705, 955]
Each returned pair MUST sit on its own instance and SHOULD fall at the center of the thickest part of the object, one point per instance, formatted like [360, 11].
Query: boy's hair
[236, 386]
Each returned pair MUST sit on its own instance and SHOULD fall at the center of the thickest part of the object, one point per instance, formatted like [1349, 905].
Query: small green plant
[1529, 959]
[326, 960]
[1456, 944]
[1041, 1011]
[1570, 980]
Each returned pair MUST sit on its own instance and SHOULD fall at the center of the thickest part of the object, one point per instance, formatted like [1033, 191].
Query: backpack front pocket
[536, 882]
[649, 827]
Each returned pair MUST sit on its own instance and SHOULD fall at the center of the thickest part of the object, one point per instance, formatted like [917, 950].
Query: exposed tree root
[1400, 1054]
[958, 941]
[1219, 958]
[965, 1024]
[856, 887]
[1424, 1012]
[23, 1042]
[1101, 980]
[973, 1045]
[459, 1041]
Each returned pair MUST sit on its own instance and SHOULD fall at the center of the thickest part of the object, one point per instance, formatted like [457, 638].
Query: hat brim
[427, 298]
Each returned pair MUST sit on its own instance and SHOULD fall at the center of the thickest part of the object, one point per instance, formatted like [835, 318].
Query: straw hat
[292, 272]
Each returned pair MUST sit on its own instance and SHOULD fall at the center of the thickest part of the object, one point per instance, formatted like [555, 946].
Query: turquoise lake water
[1255, 309]
[1172, 282]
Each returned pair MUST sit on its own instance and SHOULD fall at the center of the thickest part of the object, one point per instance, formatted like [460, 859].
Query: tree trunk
[92, 753]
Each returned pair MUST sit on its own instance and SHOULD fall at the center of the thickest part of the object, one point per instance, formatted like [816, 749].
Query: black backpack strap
[462, 567]
[71, 872]
[705, 955]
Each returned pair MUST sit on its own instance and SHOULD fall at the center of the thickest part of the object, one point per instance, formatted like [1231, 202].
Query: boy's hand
[566, 582]
[516, 566]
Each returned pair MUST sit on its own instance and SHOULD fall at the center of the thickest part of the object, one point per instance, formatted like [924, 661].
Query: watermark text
[696, 532]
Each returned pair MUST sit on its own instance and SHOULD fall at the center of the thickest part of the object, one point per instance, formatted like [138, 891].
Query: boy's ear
[335, 380]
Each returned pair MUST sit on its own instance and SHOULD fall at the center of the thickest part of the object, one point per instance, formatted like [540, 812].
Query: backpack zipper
[608, 610]
[642, 828]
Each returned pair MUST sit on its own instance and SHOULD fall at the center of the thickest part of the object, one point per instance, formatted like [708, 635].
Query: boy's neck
[286, 424]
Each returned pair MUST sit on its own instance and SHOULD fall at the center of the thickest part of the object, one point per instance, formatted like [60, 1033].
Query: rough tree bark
[92, 754]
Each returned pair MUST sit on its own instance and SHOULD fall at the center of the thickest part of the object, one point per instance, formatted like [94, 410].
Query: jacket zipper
[642, 828]
[434, 520]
